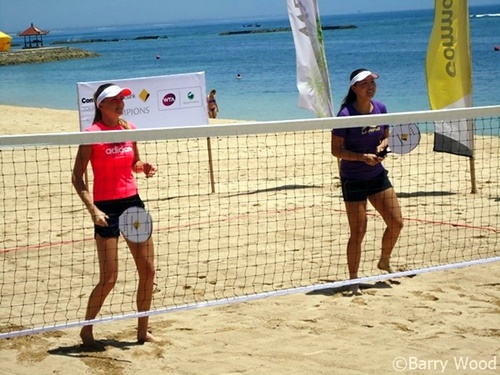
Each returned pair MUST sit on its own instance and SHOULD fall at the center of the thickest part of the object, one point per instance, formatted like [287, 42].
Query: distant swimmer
[157, 57]
[238, 76]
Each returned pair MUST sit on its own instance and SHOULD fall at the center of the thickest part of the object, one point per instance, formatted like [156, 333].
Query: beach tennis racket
[404, 138]
[136, 224]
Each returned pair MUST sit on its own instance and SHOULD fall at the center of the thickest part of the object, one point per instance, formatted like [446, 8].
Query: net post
[210, 165]
[472, 175]
[471, 159]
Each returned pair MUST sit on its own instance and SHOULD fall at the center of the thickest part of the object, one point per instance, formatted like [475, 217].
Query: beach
[441, 316]
[444, 322]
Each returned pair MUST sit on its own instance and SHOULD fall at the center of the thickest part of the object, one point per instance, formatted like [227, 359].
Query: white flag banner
[156, 102]
[313, 80]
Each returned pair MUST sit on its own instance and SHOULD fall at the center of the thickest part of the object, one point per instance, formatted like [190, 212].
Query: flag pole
[472, 126]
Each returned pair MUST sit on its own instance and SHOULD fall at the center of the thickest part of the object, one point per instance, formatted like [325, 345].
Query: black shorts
[114, 209]
[360, 190]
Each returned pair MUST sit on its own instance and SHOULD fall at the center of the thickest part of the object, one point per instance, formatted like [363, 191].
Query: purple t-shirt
[363, 140]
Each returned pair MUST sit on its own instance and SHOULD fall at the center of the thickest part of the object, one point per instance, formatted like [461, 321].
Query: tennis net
[240, 211]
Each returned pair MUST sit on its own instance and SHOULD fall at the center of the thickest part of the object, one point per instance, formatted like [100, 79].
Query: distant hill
[283, 29]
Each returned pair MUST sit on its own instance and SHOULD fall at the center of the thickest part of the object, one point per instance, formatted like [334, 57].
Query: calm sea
[393, 44]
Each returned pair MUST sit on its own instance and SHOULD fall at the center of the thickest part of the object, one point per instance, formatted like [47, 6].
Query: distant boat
[252, 25]
[496, 48]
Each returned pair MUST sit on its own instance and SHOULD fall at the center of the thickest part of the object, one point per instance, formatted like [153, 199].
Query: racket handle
[383, 153]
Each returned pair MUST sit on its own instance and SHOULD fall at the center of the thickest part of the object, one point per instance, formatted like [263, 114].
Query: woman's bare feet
[88, 341]
[384, 264]
[353, 290]
[148, 337]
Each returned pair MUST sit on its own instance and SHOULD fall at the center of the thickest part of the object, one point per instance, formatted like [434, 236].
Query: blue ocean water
[393, 44]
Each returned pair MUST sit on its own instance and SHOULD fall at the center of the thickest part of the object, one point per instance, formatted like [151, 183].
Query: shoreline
[42, 55]
[43, 120]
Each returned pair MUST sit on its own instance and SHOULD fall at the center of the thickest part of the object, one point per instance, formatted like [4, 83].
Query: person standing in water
[212, 106]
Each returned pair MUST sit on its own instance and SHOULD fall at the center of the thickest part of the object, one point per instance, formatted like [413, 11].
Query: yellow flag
[449, 74]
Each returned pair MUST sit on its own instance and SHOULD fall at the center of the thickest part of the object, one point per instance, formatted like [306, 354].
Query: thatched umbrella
[35, 32]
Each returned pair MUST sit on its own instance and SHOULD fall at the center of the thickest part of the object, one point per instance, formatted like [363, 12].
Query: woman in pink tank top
[114, 191]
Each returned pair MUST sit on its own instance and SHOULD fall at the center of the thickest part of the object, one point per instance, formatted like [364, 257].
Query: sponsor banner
[156, 102]
[313, 80]
[449, 75]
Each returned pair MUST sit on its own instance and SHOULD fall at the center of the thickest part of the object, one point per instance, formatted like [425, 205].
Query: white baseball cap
[362, 75]
[111, 92]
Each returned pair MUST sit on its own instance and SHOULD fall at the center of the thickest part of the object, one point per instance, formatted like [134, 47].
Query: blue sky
[16, 15]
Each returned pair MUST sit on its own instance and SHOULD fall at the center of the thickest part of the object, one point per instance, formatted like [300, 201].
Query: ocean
[392, 44]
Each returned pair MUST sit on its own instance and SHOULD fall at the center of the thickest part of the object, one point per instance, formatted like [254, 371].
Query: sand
[439, 322]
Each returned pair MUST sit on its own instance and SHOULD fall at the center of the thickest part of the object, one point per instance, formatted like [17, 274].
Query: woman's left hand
[149, 169]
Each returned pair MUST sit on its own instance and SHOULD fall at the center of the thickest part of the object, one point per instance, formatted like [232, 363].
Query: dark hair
[351, 95]
[98, 113]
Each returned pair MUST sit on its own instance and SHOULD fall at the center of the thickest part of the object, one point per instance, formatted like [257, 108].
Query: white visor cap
[362, 75]
[111, 92]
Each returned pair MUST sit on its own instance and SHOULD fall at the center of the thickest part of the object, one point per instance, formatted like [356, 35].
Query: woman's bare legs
[143, 254]
[107, 252]
[356, 215]
[387, 205]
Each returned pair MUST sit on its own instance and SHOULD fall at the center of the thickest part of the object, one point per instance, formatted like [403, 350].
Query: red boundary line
[231, 218]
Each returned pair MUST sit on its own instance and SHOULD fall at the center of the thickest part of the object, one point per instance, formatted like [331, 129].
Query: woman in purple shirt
[362, 174]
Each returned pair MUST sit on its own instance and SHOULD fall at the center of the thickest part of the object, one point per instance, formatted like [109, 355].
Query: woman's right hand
[372, 159]
[99, 217]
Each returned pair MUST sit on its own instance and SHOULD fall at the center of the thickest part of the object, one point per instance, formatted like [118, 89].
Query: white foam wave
[485, 15]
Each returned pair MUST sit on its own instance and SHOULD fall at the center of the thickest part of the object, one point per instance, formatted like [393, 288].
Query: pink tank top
[112, 167]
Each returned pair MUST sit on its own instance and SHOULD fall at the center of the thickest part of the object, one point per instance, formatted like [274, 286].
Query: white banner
[156, 102]
[313, 81]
